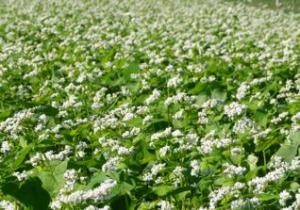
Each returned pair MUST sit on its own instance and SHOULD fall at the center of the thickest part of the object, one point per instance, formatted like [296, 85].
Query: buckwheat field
[141, 105]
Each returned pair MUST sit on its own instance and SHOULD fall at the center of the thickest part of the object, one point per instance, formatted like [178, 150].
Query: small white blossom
[165, 205]
[283, 197]
[195, 168]
[5, 147]
[20, 175]
[174, 82]
[153, 97]
[234, 109]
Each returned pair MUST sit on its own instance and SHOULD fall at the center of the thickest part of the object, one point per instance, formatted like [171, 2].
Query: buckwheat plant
[157, 104]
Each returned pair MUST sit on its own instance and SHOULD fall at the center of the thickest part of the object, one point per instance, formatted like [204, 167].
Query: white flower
[211, 103]
[72, 101]
[5, 147]
[237, 204]
[232, 170]
[177, 133]
[280, 117]
[283, 197]
[157, 168]
[153, 97]
[91, 207]
[217, 195]
[56, 204]
[147, 119]
[242, 91]
[179, 97]
[163, 151]
[165, 205]
[147, 177]
[192, 138]
[260, 183]
[195, 167]
[178, 171]
[179, 115]
[7, 205]
[222, 143]
[243, 125]
[111, 164]
[20, 175]
[124, 151]
[174, 82]
[167, 132]
[234, 109]
[128, 116]
[202, 118]
[207, 145]
[70, 177]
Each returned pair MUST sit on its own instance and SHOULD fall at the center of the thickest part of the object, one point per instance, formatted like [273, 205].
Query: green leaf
[267, 197]
[199, 87]
[182, 195]
[263, 145]
[294, 186]
[52, 177]
[48, 110]
[157, 124]
[80, 130]
[20, 157]
[295, 137]
[288, 150]
[261, 118]
[4, 113]
[162, 190]
[223, 181]
[120, 202]
[31, 194]
[96, 179]
[294, 107]
[132, 68]
[60, 168]
[147, 205]
[219, 95]
[122, 189]
[148, 157]
[201, 99]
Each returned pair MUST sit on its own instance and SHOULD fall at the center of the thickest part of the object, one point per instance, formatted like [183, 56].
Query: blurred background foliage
[286, 5]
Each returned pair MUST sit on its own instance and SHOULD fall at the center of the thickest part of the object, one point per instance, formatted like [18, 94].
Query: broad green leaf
[223, 181]
[267, 197]
[295, 137]
[96, 179]
[219, 95]
[4, 113]
[52, 177]
[261, 118]
[163, 190]
[30, 193]
[201, 99]
[122, 188]
[289, 150]
[294, 186]
[199, 87]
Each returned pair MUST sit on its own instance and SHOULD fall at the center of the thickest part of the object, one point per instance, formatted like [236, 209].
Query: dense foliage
[159, 104]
